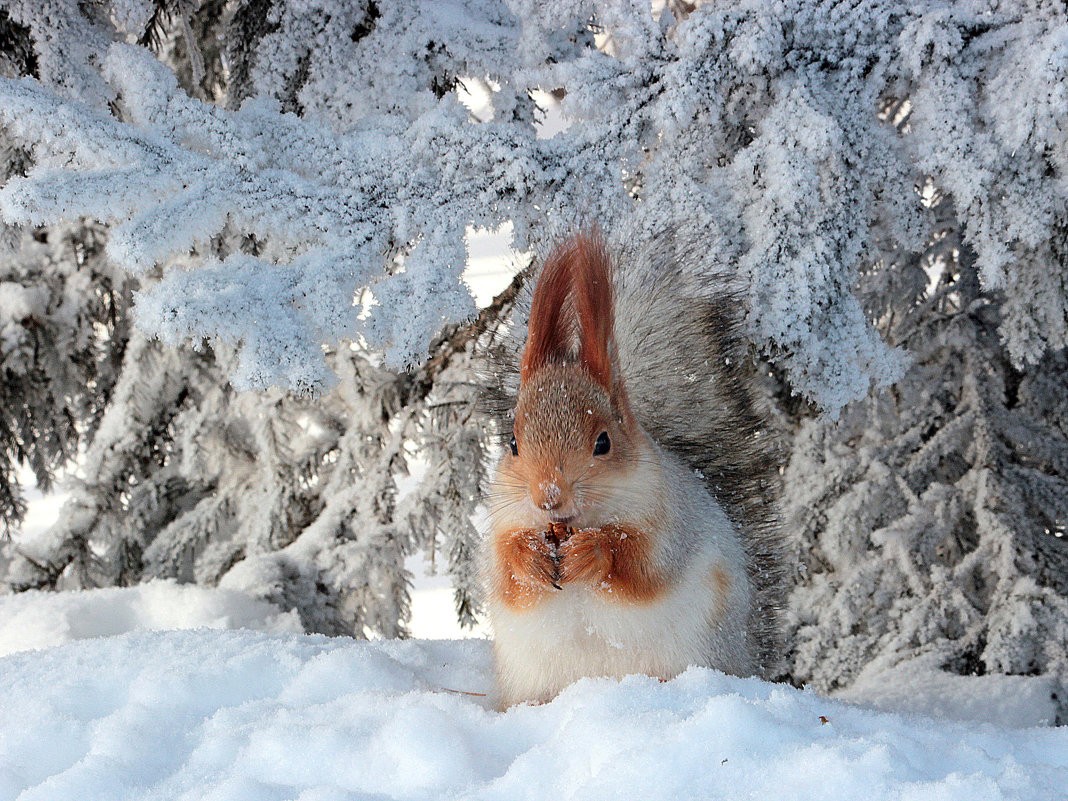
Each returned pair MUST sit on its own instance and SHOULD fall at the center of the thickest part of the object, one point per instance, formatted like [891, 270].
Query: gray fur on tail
[690, 378]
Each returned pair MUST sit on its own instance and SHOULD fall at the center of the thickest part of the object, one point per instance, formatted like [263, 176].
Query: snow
[433, 605]
[115, 700]
[42, 510]
[758, 135]
[17, 302]
[248, 715]
[273, 714]
[917, 686]
[34, 619]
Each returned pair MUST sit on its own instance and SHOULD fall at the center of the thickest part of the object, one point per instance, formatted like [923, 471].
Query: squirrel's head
[574, 438]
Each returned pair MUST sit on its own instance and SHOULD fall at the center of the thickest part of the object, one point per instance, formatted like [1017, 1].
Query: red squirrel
[631, 512]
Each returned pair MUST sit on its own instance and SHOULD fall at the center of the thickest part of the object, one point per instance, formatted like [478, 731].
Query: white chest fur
[584, 631]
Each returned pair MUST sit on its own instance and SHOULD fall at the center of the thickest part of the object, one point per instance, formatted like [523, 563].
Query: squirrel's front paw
[529, 566]
[585, 557]
[616, 560]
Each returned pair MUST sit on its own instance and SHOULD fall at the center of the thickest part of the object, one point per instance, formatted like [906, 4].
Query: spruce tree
[287, 187]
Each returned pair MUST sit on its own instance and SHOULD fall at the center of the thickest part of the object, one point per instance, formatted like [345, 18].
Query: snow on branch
[322, 204]
[354, 170]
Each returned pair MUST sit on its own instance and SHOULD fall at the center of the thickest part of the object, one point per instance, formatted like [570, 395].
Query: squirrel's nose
[548, 495]
[551, 495]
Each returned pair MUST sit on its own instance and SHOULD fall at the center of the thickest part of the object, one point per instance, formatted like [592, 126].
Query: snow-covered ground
[433, 607]
[248, 715]
[130, 693]
[260, 715]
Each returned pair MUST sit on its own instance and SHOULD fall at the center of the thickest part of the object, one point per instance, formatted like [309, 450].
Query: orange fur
[579, 269]
[527, 568]
[548, 489]
[591, 278]
[616, 559]
[555, 467]
[548, 334]
[721, 588]
[571, 391]
[613, 559]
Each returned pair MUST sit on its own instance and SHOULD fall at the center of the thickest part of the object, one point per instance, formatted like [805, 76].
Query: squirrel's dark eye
[514, 446]
[602, 445]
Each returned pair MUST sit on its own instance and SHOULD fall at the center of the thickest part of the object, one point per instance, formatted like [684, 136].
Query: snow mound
[239, 715]
[919, 686]
[31, 620]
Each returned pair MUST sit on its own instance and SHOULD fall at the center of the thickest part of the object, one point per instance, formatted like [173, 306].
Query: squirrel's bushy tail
[690, 378]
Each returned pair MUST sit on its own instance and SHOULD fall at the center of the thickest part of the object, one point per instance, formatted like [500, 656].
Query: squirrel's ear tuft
[594, 304]
[573, 297]
[548, 335]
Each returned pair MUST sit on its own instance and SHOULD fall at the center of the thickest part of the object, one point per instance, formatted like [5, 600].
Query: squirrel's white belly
[579, 631]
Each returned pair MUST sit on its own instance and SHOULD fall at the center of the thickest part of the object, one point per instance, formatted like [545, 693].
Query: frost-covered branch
[757, 126]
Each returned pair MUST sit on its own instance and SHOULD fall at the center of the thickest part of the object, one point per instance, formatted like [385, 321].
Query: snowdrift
[256, 716]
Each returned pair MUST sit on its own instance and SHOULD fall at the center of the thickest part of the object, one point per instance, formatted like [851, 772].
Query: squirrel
[631, 513]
